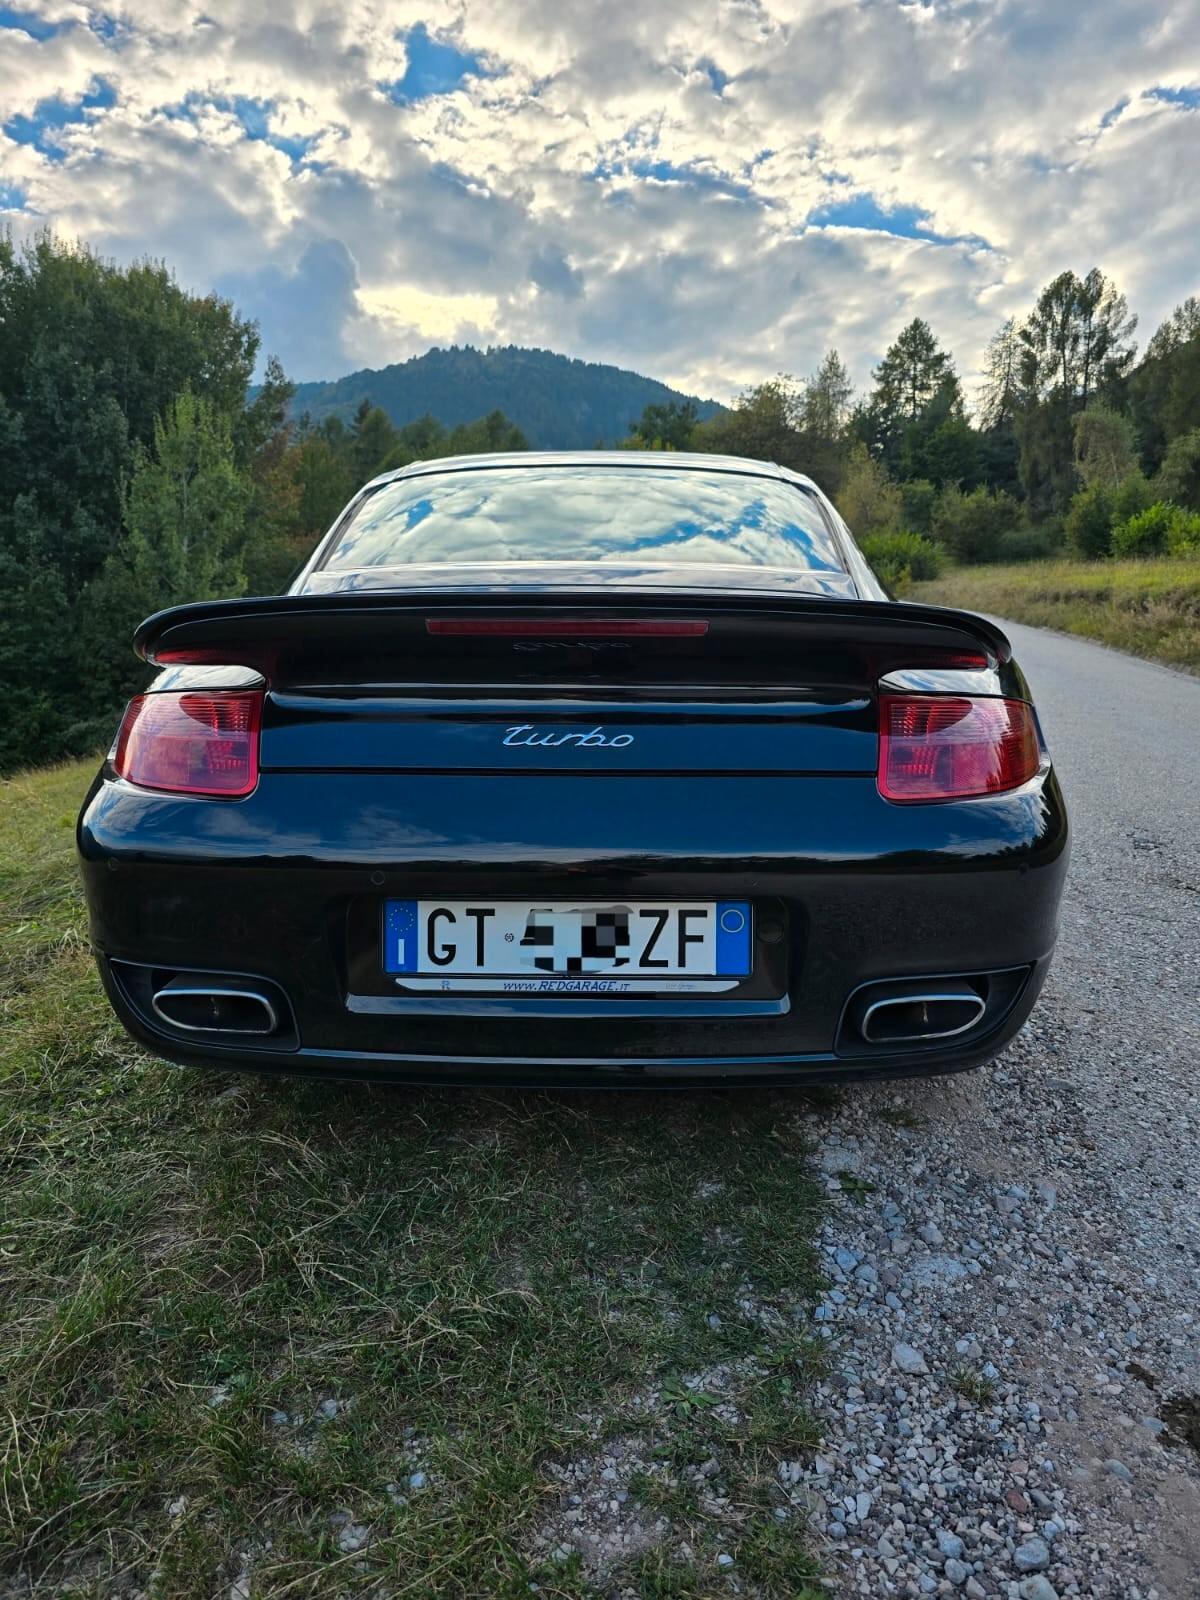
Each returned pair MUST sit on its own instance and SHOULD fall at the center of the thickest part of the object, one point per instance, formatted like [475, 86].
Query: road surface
[1033, 1233]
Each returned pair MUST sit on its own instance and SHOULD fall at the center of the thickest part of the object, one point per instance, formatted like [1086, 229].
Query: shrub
[1160, 529]
[899, 557]
[971, 525]
[1183, 536]
[1134, 494]
[1029, 544]
[1089, 519]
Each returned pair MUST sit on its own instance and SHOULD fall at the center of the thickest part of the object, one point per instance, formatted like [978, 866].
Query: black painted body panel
[740, 765]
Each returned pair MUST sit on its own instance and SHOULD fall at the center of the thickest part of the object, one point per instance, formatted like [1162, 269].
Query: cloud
[712, 193]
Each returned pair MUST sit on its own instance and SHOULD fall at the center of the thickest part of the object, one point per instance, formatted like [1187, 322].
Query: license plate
[568, 947]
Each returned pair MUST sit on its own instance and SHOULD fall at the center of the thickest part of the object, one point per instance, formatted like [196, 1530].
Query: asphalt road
[1039, 1221]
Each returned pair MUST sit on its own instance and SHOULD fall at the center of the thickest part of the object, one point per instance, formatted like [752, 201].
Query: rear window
[678, 516]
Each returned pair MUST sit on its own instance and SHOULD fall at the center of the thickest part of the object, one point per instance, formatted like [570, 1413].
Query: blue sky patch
[1176, 97]
[254, 116]
[11, 198]
[434, 67]
[716, 77]
[50, 116]
[36, 27]
[864, 211]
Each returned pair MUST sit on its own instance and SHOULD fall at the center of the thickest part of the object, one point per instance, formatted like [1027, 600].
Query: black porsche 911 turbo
[601, 768]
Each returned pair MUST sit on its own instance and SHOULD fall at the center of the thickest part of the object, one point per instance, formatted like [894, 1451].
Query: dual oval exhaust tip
[222, 1006]
[922, 1013]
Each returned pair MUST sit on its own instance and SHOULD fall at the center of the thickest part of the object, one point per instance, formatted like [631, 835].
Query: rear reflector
[563, 628]
[191, 743]
[935, 747]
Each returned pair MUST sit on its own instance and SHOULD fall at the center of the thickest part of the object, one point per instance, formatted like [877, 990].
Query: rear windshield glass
[676, 516]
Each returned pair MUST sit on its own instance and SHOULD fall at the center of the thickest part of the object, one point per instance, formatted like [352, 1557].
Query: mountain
[558, 403]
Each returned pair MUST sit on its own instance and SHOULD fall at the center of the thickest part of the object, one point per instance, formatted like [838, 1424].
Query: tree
[916, 390]
[1104, 446]
[91, 354]
[488, 434]
[666, 426]
[822, 420]
[1076, 346]
[762, 425]
[1001, 399]
[869, 501]
[372, 438]
[182, 539]
[1165, 388]
[1000, 393]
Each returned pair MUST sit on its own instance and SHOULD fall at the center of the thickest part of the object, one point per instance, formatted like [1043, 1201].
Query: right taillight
[949, 747]
[191, 743]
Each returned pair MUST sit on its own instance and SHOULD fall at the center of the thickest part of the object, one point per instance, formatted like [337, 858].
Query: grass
[237, 1315]
[1149, 608]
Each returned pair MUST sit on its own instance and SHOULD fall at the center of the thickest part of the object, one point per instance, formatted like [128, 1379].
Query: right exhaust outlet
[926, 1012]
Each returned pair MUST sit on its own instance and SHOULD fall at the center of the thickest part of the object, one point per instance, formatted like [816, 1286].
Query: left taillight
[953, 747]
[191, 743]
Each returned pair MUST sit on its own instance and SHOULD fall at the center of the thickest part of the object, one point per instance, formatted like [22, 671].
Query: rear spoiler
[282, 635]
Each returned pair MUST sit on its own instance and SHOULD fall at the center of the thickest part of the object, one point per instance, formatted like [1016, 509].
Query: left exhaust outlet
[214, 1007]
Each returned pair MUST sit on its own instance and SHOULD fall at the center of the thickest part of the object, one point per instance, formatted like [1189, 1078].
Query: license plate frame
[510, 946]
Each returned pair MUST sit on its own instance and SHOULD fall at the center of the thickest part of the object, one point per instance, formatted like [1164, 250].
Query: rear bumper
[274, 887]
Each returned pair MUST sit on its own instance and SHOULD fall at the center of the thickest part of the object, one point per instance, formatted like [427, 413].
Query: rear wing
[288, 637]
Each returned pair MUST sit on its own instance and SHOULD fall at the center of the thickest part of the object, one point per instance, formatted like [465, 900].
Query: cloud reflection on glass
[585, 513]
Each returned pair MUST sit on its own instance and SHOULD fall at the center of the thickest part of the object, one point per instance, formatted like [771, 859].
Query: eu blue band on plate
[400, 936]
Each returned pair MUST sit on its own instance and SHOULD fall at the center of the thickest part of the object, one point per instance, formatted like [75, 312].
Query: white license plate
[567, 947]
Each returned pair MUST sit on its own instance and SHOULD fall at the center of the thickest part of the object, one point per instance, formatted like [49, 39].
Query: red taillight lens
[191, 743]
[941, 747]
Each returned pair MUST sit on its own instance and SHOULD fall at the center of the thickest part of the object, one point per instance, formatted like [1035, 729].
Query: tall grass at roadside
[1150, 608]
[239, 1316]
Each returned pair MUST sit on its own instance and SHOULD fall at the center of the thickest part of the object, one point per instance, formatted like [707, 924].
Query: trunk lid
[603, 682]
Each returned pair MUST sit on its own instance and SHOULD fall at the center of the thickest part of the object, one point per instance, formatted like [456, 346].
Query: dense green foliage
[139, 470]
[558, 403]
[1069, 438]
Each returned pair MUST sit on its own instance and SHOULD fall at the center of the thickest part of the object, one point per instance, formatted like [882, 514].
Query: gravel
[1003, 1384]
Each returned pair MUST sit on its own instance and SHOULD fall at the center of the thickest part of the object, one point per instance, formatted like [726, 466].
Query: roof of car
[688, 459]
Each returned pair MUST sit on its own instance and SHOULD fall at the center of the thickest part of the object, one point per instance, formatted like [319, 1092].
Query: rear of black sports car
[577, 770]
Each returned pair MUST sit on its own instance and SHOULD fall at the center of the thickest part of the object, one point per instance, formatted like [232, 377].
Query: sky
[707, 193]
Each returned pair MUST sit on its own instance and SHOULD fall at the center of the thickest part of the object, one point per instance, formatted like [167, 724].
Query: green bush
[1132, 495]
[900, 557]
[972, 525]
[1162, 529]
[1089, 520]
[1183, 536]
[1029, 544]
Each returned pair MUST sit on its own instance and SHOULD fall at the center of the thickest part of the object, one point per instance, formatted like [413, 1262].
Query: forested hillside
[557, 403]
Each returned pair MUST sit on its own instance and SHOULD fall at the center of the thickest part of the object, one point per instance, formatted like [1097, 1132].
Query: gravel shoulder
[1015, 1254]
